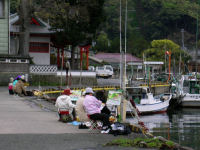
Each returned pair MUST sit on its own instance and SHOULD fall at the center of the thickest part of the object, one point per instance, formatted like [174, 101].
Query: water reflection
[180, 125]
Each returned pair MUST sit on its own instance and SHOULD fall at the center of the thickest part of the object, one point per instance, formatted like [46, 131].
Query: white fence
[43, 69]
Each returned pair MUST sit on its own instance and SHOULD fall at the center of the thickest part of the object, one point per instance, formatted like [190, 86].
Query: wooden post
[58, 57]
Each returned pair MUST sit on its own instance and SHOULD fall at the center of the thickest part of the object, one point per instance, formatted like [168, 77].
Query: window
[39, 47]
[2, 59]
[2, 9]
[13, 60]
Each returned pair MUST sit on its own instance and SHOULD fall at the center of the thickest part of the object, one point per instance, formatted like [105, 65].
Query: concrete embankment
[23, 124]
[25, 121]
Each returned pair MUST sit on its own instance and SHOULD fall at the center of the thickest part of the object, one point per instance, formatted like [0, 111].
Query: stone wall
[48, 80]
[14, 67]
[53, 80]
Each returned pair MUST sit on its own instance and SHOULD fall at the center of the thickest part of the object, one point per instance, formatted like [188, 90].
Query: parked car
[105, 71]
[91, 68]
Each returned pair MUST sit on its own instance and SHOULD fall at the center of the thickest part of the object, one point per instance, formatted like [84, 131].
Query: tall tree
[159, 48]
[25, 18]
[75, 22]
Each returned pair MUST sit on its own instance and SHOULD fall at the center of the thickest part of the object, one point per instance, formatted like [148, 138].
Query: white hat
[89, 90]
[11, 79]
[83, 93]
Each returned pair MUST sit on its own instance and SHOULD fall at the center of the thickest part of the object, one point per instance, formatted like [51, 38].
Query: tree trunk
[24, 18]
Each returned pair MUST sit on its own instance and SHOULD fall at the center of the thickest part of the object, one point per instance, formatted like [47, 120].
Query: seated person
[19, 87]
[100, 95]
[10, 86]
[64, 102]
[80, 111]
[93, 108]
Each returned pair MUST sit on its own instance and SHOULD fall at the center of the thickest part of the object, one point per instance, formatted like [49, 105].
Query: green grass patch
[142, 143]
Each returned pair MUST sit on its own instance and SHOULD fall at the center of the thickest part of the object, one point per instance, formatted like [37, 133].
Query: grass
[142, 143]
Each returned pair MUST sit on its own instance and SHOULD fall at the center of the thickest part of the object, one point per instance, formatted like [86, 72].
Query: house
[4, 26]
[114, 58]
[135, 65]
[40, 36]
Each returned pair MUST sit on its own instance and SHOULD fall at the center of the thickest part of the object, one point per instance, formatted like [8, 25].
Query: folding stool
[94, 124]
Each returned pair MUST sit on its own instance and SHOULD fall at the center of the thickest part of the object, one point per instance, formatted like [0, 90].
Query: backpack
[118, 128]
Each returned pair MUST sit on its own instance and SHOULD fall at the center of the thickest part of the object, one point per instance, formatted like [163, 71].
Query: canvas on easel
[114, 100]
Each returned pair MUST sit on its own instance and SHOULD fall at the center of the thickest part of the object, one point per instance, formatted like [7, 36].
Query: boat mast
[120, 41]
[125, 29]
[196, 52]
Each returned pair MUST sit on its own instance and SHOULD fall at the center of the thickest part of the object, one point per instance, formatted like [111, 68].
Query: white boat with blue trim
[146, 103]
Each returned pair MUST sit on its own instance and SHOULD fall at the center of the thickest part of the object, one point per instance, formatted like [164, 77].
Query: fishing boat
[146, 103]
[190, 91]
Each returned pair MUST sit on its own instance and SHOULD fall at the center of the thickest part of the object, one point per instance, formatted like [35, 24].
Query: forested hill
[149, 20]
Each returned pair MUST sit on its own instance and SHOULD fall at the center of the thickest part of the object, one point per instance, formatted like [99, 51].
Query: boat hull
[153, 108]
[191, 100]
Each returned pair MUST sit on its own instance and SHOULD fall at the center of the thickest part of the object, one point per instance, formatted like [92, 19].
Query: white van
[105, 71]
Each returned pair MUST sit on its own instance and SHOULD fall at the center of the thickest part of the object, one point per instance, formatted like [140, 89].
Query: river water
[181, 126]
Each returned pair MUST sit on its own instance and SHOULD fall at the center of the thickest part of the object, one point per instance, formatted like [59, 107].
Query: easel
[114, 103]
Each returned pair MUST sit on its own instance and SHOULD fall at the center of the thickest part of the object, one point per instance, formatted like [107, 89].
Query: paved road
[20, 116]
[25, 126]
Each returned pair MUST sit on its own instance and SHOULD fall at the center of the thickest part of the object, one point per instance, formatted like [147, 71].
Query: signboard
[76, 94]
[114, 97]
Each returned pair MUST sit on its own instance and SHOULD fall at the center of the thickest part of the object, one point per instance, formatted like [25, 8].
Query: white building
[40, 36]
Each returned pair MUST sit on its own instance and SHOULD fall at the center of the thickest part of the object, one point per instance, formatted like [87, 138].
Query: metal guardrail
[97, 88]
[82, 89]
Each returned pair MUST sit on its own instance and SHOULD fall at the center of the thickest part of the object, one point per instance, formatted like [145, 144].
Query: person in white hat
[93, 109]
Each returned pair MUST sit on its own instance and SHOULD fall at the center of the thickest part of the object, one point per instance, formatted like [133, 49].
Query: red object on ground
[64, 112]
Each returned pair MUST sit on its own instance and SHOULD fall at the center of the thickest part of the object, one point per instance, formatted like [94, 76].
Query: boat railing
[156, 84]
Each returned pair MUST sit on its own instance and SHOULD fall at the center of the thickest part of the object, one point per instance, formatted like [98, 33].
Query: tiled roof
[115, 57]
[41, 27]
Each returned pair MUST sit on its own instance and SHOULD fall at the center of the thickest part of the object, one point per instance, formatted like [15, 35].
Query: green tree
[25, 14]
[160, 19]
[159, 48]
[102, 42]
[75, 22]
[14, 4]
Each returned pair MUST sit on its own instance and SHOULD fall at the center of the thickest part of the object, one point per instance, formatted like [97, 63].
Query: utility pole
[122, 69]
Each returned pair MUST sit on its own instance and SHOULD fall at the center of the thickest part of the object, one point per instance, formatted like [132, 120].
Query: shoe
[104, 127]
[105, 131]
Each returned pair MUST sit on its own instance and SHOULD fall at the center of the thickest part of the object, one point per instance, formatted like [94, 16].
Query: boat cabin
[191, 86]
[137, 93]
